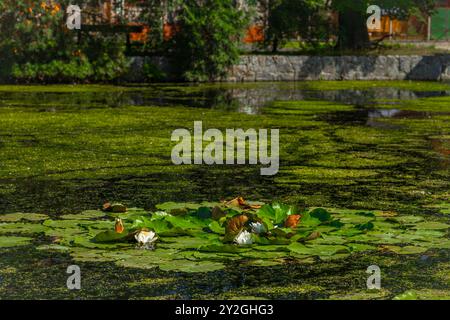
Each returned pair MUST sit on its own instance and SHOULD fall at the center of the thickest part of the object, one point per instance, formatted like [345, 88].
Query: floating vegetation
[15, 217]
[190, 237]
[6, 242]
[425, 294]
[372, 145]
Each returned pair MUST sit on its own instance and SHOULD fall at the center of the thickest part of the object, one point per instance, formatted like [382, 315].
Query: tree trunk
[275, 44]
[353, 33]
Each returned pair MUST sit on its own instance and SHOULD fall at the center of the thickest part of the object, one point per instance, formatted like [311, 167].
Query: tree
[35, 45]
[208, 37]
[353, 33]
[287, 19]
[151, 15]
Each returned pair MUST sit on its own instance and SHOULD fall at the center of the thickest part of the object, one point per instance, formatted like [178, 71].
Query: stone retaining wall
[293, 68]
[297, 68]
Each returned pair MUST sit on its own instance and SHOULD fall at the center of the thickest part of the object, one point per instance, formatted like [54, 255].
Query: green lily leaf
[204, 213]
[157, 225]
[224, 248]
[216, 227]
[85, 215]
[16, 217]
[365, 226]
[22, 228]
[6, 242]
[406, 249]
[315, 217]
[319, 250]
[111, 236]
[177, 208]
[276, 213]
[187, 222]
[431, 225]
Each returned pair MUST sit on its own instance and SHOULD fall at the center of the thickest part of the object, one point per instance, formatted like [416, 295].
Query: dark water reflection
[243, 99]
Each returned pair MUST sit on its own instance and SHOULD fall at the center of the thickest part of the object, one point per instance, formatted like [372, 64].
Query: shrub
[208, 38]
[35, 45]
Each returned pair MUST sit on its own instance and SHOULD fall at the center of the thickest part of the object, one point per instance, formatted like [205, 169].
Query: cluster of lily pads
[199, 237]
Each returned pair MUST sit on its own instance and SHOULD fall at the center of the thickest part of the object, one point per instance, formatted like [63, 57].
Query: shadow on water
[368, 116]
[143, 191]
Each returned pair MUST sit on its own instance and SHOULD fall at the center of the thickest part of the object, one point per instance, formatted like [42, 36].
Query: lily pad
[194, 242]
[85, 215]
[177, 208]
[184, 242]
[358, 247]
[263, 263]
[431, 225]
[63, 224]
[408, 219]
[53, 247]
[15, 217]
[264, 254]
[227, 248]
[89, 255]
[111, 236]
[406, 249]
[318, 250]
[23, 228]
[7, 242]
[191, 266]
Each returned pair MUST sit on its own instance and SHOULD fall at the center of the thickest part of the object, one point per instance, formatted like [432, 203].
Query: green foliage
[153, 73]
[288, 19]
[110, 236]
[277, 213]
[400, 9]
[152, 13]
[352, 31]
[35, 45]
[195, 242]
[315, 217]
[320, 232]
[6, 242]
[207, 42]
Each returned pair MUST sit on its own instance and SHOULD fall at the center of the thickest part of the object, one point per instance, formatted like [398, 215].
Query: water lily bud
[292, 221]
[119, 228]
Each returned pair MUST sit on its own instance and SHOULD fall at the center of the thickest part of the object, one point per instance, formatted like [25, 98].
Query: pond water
[366, 146]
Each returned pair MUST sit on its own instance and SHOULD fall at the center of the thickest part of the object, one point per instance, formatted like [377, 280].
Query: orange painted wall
[413, 28]
[254, 34]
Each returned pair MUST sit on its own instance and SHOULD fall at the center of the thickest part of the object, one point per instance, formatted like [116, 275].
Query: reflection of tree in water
[252, 100]
[72, 100]
[248, 100]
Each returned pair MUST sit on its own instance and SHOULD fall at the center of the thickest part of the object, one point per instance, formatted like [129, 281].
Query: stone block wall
[298, 68]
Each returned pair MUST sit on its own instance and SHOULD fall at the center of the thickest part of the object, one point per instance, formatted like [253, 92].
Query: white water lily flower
[258, 227]
[145, 237]
[244, 237]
